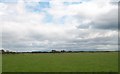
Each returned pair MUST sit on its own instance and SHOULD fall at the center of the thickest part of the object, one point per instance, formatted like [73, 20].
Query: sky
[45, 25]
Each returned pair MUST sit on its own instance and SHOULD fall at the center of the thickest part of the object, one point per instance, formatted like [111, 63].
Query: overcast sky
[83, 25]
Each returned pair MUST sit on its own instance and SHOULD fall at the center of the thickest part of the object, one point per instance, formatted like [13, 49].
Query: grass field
[0, 63]
[61, 62]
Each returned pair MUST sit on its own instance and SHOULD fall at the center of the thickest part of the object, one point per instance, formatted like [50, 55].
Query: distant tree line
[6, 52]
[52, 51]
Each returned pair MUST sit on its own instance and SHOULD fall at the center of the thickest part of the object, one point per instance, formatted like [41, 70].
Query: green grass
[0, 63]
[61, 62]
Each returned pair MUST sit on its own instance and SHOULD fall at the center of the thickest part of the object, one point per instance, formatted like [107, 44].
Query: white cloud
[27, 29]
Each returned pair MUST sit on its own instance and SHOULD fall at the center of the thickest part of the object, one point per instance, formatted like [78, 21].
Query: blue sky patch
[48, 18]
[37, 6]
[8, 1]
[71, 3]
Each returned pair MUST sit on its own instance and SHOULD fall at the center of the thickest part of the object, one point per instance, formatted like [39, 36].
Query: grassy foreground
[61, 62]
[0, 63]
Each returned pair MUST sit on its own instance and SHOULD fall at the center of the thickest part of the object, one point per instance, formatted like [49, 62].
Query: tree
[2, 51]
[53, 51]
[63, 51]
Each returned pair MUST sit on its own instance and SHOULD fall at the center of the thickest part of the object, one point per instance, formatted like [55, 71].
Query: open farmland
[61, 62]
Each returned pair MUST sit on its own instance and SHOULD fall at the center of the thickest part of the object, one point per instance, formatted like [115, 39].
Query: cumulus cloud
[88, 26]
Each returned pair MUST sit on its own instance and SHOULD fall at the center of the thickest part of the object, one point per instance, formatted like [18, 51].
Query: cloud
[100, 16]
[88, 25]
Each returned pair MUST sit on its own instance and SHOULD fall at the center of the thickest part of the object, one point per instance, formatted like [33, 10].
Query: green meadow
[0, 63]
[61, 62]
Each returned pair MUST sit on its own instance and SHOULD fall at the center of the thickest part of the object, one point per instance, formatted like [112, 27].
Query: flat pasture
[61, 62]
